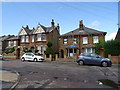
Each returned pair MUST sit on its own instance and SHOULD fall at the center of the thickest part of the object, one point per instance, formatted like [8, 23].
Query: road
[60, 74]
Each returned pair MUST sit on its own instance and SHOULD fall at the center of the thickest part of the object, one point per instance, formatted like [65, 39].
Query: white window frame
[85, 40]
[95, 39]
[43, 37]
[15, 43]
[9, 43]
[32, 38]
[38, 37]
[65, 41]
[22, 38]
[27, 38]
[75, 41]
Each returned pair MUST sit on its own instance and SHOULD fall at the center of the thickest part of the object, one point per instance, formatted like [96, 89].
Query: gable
[39, 30]
[22, 32]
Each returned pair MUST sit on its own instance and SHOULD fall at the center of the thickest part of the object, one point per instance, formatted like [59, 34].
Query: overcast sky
[101, 16]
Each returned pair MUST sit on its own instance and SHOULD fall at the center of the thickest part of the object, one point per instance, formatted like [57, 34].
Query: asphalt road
[60, 74]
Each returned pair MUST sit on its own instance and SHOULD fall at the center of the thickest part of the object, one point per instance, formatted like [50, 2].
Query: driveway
[61, 74]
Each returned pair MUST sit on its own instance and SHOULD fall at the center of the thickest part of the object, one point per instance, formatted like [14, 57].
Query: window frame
[65, 41]
[95, 39]
[85, 40]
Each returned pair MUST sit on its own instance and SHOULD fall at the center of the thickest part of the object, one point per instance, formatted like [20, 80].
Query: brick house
[37, 38]
[12, 42]
[3, 42]
[80, 40]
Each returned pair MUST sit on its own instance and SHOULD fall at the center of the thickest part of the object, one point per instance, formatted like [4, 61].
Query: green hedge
[110, 47]
[10, 51]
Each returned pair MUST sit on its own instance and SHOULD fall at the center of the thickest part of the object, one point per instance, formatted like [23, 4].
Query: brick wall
[114, 59]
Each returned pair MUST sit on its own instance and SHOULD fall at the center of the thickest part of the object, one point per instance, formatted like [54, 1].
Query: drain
[108, 83]
[55, 77]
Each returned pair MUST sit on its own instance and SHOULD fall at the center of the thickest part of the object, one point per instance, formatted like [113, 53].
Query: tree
[49, 50]
[49, 44]
[98, 46]
[110, 47]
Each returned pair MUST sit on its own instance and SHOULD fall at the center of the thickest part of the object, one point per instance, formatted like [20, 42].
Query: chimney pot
[52, 23]
[81, 25]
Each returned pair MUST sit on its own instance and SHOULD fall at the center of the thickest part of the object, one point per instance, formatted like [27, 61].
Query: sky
[101, 16]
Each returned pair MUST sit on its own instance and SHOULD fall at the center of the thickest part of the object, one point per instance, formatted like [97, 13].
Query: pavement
[8, 79]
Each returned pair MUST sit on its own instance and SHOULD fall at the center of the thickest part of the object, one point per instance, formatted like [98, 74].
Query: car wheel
[104, 64]
[35, 59]
[23, 59]
[81, 63]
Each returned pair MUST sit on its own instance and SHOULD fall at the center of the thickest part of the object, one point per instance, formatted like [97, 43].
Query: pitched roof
[46, 29]
[3, 38]
[118, 35]
[13, 38]
[86, 31]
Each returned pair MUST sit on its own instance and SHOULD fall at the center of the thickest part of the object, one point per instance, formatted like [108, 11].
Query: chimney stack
[27, 27]
[52, 23]
[58, 27]
[81, 25]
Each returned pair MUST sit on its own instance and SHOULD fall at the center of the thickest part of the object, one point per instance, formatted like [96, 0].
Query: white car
[31, 57]
[1, 57]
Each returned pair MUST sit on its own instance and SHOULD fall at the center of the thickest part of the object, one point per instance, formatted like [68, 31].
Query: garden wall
[114, 59]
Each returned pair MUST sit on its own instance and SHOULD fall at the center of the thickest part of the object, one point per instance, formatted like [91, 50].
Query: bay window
[22, 38]
[27, 38]
[32, 38]
[39, 37]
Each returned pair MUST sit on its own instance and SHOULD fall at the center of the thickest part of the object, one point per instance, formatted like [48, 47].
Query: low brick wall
[114, 59]
[9, 56]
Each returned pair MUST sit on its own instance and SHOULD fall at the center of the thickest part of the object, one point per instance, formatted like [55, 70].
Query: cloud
[95, 24]
[110, 36]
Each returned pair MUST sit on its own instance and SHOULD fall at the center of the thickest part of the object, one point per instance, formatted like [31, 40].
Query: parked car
[94, 59]
[1, 57]
[31, 57]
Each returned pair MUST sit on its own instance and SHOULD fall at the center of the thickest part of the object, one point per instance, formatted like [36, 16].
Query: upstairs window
[75, 41]
[27, 38]
[32, 38]
[14, 43]
[9, 43]
[43, 37]
[39, 37]
[85, 40]
[95, 39]
[65, 41]
[22, 38]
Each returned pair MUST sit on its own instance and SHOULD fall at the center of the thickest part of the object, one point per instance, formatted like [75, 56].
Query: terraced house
[80, 40]
[37, 38]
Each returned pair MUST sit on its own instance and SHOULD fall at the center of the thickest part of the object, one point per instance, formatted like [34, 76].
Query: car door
[87, 59]
[95, 59]
[29, 56]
